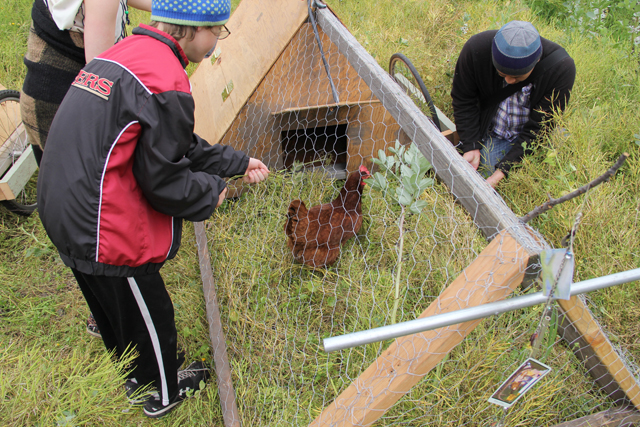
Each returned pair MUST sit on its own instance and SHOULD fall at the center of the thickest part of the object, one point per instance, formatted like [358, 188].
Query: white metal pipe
[397, 330]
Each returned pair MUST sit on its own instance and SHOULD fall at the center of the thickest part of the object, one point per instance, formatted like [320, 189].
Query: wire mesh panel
[276, 308]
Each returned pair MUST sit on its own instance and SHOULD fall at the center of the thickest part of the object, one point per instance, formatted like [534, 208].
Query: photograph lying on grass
[523, 379]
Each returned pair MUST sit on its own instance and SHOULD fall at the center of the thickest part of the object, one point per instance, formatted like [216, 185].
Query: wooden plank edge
[614, 417]
[589, 359]
[226, 390]
[451, 135]
[18, 175]
[329, 106]
[597, 352]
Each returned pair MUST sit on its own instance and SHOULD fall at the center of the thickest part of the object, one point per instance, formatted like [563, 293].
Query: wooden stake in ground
[218, 343]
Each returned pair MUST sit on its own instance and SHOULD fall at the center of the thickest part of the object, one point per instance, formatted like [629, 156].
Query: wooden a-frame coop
[363, 110]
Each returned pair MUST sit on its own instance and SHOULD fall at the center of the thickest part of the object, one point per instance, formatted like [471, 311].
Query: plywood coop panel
[295, 94]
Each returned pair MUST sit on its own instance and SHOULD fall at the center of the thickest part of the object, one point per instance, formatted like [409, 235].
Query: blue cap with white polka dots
[197, 13]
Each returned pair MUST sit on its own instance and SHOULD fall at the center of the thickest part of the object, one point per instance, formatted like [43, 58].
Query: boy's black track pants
[136, 311]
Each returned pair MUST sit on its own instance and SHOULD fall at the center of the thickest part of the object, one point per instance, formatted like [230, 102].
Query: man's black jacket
[476, 80]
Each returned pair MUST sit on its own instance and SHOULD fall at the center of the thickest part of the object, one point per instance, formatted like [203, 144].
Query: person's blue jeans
[493, 150]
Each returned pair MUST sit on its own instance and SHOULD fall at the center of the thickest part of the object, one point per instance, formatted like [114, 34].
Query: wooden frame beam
[226, 391]
[596, 352]
[615, 417]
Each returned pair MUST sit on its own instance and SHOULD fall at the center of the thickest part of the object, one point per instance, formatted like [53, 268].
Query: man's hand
[495, 178]
[256, 172]
[473, 157]
[221, 197]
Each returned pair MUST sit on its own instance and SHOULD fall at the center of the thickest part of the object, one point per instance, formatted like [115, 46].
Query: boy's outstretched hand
[221, 197]
[256, 172]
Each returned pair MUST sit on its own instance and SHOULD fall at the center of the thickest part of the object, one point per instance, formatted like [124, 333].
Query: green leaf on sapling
[404, 196]
[417, 206]
[425, 183]
[424, 164]
[378, 182]
[405, 171]
[415, 167]
[409, 184]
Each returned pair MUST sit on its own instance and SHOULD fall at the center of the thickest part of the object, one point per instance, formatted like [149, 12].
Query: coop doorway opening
[323, 148]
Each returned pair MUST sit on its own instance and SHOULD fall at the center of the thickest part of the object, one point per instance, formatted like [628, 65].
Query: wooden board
[226, 390]
[452, 136]
[597, 352]
[616, 417]
[324, 106]
[312, 117]
[18, 175]
[494, 275]
[260, 31]
[15, 172]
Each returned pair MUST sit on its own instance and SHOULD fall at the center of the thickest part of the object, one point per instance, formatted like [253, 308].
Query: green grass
[276, 312]
[15, 18]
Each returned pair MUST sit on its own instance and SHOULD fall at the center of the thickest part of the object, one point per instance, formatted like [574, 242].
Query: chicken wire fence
[276, 311]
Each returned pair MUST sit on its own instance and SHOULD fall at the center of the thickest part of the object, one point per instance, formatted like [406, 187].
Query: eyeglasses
[221, 32]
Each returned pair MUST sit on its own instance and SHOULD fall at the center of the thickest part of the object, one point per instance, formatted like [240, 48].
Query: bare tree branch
[553, 202]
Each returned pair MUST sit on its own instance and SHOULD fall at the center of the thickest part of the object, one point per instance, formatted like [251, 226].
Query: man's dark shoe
[188, 383]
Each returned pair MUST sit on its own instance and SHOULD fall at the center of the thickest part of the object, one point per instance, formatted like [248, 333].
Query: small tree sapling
[402, 177]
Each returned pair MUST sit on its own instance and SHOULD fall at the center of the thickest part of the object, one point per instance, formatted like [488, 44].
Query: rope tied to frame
[317, 4]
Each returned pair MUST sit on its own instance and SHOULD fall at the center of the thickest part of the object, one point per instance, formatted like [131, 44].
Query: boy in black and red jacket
[121, 171]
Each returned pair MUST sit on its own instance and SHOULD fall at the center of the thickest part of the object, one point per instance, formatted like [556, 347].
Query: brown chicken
[315, 235]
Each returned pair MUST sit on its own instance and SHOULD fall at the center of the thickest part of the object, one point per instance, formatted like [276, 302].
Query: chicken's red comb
[364, 169]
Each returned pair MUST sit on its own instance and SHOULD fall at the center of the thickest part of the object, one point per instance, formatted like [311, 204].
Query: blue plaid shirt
[512, 114]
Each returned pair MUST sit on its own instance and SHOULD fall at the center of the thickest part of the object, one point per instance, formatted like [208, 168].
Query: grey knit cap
[516, 48]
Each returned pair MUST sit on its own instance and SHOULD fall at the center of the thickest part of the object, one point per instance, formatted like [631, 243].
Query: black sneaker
[92, 327]
[136, 393]
[188, 383]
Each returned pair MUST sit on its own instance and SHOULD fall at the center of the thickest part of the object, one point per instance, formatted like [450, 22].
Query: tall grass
[15, 18]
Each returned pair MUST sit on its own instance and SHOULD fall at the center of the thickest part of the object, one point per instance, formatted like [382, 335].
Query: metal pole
[473, 313]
